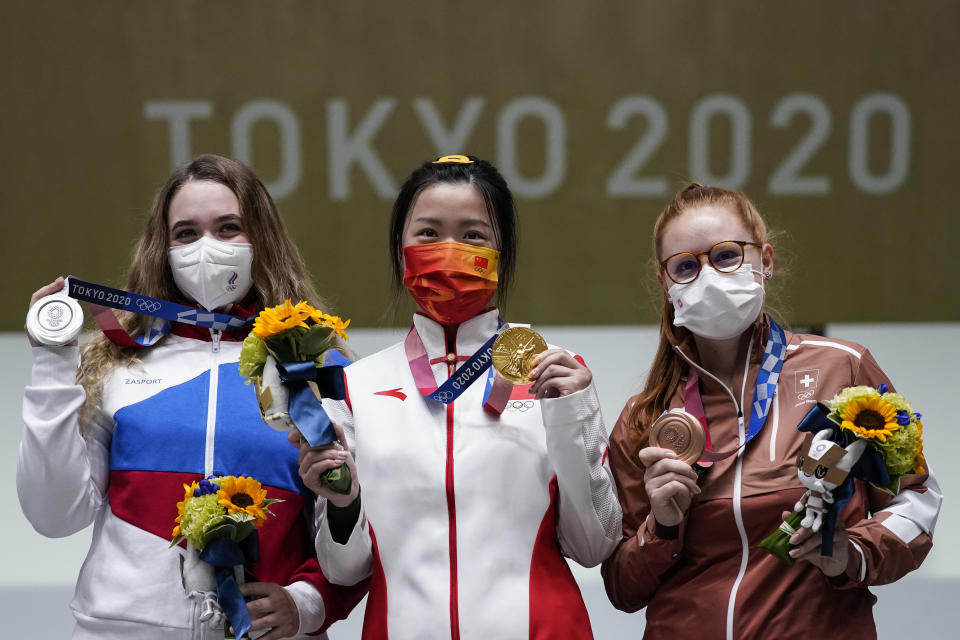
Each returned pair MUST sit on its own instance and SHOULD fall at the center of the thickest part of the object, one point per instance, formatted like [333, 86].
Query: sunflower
[188, 493]
[334, 322]
[243, 495]
[274, 320]
[870, 417]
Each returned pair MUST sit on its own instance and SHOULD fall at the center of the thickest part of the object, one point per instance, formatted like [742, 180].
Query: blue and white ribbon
[769, 374]
[101, 297]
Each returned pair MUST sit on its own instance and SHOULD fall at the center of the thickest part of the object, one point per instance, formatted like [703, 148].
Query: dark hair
[496, 194]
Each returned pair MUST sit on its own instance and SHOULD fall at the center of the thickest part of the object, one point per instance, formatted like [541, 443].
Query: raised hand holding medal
[681, 432]
[54, 319]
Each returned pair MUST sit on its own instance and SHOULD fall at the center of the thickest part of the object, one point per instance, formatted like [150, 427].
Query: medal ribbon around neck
[101, 299]
[773, 356]
[495, 395]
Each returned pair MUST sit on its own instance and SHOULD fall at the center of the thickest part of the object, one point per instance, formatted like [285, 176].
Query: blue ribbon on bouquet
[304, 409]
[224, 554]
[869, 468]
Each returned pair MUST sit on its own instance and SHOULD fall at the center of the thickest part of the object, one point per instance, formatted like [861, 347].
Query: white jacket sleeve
[61, 476]
[310, 608]
[351, 562]
[590, 517]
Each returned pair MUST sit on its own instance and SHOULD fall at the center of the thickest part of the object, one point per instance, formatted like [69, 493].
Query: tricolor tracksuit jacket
[183, 413]
[466, 514]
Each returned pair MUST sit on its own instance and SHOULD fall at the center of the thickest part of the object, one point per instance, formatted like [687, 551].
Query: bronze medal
[514, 351]
[681, 432]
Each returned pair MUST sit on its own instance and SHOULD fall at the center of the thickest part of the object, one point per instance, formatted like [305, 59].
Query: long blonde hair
[278, 271]
[668, 366]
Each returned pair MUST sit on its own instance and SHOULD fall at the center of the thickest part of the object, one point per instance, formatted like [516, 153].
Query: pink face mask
[450, 281]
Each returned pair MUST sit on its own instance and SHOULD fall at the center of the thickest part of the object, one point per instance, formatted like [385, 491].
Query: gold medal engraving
[514, 351]
[681, 432]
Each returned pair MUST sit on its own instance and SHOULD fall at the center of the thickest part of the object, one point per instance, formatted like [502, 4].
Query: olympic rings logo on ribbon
[148, 305]
[445, 396]
[519, 406]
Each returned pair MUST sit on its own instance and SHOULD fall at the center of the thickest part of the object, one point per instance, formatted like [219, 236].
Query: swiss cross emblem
[805, 383]
[480, 261]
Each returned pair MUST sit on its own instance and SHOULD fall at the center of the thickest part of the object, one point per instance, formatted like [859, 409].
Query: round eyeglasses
[725, 257]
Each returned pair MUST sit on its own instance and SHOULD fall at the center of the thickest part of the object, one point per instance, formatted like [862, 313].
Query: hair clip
[458, 159]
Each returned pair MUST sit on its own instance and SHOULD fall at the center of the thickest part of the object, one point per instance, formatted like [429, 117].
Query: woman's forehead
[699, 228]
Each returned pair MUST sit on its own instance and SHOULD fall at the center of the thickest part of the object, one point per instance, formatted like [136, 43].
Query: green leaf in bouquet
[338, 479]
[315, 341]
[226, 529]
[893, 488]
[244, 529]
[280, 348]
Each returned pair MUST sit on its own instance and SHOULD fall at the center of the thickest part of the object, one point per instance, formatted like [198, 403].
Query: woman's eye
[726, 257]
[184, 234]
[685, 266]
[230, 229]
[427, 233]
[473, 235]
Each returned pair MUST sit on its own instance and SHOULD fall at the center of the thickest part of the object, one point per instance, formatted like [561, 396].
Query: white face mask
[212, 272]
[718, 306]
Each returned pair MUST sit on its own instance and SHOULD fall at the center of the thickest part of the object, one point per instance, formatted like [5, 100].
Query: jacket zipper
[212, 402]
[738, 479]
[452, 514]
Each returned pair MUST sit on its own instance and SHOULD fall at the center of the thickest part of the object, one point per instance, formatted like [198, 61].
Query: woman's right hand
[314, 461]
[670, 485]
[43, 292]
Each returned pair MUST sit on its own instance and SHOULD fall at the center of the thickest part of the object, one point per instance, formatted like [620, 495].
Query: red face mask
[450, 281]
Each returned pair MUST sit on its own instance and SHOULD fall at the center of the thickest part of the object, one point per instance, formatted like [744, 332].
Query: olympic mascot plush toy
[822, 466]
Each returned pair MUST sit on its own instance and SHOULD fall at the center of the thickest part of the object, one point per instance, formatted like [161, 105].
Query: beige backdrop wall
[839, 119]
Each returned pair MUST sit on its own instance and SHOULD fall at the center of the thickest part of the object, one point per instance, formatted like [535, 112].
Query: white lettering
[454, 140]
[555, 141]
[347, 149]
[700, 118]
[178, 113]
[289, 126]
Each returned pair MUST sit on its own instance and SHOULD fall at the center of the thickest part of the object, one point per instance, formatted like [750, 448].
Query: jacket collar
[471, 334]
[244, 309]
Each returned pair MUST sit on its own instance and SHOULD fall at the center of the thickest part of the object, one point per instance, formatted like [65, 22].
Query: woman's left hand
[273, 609]
[557, 373]
[808, 548]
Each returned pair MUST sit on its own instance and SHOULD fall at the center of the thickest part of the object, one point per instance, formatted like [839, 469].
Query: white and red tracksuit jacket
[712, 581]
[182, 414]
[466, 514]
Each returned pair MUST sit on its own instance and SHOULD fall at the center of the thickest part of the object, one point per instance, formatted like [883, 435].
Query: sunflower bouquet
[218, 518]
[285, 356]
[221, 507]
[887, 421]
[893, 433]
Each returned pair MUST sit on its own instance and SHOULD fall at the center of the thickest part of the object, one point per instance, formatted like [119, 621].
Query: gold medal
[514, 351]
[681, 432]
